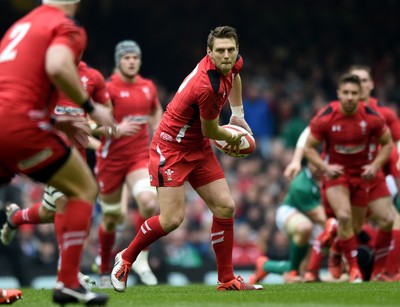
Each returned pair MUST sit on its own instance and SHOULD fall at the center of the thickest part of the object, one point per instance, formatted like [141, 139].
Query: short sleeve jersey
[303, 193]
[202, 94]
[135, 101]
[24, 84]
[94, 83]
[390, 117]
[347, 137]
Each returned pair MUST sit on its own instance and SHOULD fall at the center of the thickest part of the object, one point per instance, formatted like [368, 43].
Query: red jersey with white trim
[135, 101]
[347, 137]
[202, 94]
[93, 81]
[24, 84]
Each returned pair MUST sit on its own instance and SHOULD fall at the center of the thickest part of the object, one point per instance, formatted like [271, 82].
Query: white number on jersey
[17, 34]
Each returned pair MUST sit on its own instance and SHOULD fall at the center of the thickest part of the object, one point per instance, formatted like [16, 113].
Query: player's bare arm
[370, 170]
[61, 69]
[236, 103]
[294, 166]
[212, 130]
[312, 155]
[155, 118]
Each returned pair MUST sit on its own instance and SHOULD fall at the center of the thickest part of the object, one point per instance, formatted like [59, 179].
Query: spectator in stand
[259, 115]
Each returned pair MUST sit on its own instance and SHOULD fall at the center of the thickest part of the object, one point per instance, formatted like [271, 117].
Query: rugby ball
[246, 147]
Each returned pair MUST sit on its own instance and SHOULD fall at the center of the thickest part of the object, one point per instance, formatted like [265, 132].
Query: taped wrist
[237, 111]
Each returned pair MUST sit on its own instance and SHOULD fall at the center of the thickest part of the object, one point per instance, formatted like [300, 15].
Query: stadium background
[293, 53]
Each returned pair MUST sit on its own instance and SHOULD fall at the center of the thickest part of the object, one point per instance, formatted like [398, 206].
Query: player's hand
[75, 127]
[102, 116]
[333, 171]
[292, 170]
[233, 144]
[241, 122]
[369, 171]
[127, 127]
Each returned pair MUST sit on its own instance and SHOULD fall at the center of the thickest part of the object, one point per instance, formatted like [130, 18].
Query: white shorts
[282, 214]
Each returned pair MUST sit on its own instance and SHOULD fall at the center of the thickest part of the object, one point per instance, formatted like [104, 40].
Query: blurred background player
[34, 146]
[9, 296]
[181, 151]
[379, 198]
[350, 173]
[302, 217]
[54, 200]
[122, 160]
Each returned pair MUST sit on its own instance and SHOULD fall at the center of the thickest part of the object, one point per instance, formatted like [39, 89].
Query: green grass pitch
[317, 294]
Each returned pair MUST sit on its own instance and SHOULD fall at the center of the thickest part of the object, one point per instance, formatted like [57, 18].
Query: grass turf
[318, 294]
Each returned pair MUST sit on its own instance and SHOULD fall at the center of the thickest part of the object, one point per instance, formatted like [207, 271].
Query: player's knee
[386, 223]
[171, 223]
[224, 208]
[110, 221]
[344, 219]
[147, 203]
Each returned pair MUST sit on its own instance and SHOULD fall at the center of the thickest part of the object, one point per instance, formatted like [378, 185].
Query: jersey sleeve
[379, 126]
[317, 128]
[208, 104]
[392, 122]
[238, 65]
[100, 93]
[71, 35]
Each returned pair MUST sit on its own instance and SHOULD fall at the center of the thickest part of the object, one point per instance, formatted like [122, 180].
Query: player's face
[223, 54]
[129, 65]
[367, 85]
[349, 95]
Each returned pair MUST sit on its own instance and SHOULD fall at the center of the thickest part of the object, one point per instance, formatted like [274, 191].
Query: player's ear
[209, 51]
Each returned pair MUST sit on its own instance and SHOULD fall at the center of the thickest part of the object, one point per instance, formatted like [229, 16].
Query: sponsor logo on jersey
[349, 149]
[336, 128]
[139, 119]
[61, 110]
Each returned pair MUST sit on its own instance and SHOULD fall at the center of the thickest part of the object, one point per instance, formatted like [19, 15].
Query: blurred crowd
[290, 72]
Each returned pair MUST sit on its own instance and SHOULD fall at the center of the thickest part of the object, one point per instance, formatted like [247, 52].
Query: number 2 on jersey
[17, 34]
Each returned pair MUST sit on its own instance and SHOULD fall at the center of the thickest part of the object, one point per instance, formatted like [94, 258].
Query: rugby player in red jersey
[39, 54]
[346, 129]
[64, 111]
[379, 197]
[181, 151]
[122, 160]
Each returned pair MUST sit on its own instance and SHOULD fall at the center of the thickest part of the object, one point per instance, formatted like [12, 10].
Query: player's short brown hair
[222, 32]
[349, 78]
